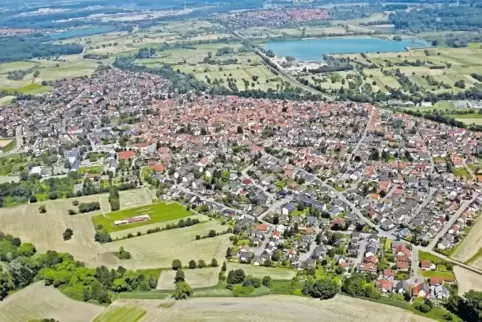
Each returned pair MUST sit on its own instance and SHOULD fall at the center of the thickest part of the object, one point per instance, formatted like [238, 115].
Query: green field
[159, 212]
[448, 276]
[277, 273]
[126, 313]
[91, 170]
[461, 172]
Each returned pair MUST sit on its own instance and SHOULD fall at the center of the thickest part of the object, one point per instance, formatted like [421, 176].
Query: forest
[15, 48]
[464, 18]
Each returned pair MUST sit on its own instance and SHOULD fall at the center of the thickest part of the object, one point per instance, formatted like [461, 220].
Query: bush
[201, 264]
[68, 233]
[236, 276]
[267, 281]
[424, 308]
[176, 264]
[214, 262]
[192, 264]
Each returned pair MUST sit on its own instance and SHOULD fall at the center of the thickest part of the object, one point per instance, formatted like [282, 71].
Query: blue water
[81, 32]
[314, 49]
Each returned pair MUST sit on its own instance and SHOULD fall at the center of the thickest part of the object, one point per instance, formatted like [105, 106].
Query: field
[45, 230]
[125, 313]
[135, 198]
[6, 100]
[474, 118]
[38, 301]
[191, 61]
[271, 308]
[467, 280]
[159, 212]
[447, 276]
[196, 278]
[160, 249]
[459, 62]
[470, 245]
[260, 271]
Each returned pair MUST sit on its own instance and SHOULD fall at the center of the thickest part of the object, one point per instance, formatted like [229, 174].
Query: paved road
[416, 278]
[363, 137]
[450, 223]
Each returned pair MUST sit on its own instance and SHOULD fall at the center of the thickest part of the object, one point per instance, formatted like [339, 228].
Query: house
[288, 208]
[245, 256]
[427, 265]
[435, 280]
[421, 290]
[367, 268]
[402, 287]
[312, 221]
[385, 286]
[388, 274]
[319, 252]
[262, 227]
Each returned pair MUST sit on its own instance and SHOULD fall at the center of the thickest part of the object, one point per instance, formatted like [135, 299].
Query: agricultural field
[38, 301]
[474, 118]
[45, 230]
[467, 280]
[261, 271]
[160, 249]
[125, 313]
[272, 308]
[196, 278]
[135, 198]
[459, 64]
[6, 100]
[191, 61]
[6, 144]
[470, 246]
[158, 212]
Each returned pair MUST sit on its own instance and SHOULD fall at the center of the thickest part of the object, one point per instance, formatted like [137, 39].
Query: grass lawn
[92, 170]
[129, 313]
[388, 244]
[427, 256]
[159, 212]
[461, 172]
[448, 276]
[148, 295]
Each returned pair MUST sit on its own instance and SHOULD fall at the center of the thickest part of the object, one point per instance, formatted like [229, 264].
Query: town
[343, 187]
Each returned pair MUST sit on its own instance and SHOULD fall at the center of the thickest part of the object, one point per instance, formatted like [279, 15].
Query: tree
[192, 264]
[236, 276]
[179, 276]
[212, 233]
[354, 285]
[224, 268]
[68, 234]
[201, 264]
[176, 264]
[182, 291]
[6, 284]
[267, 281]
[42, 209]
[323, 289]
[214, 262]
[468, 307]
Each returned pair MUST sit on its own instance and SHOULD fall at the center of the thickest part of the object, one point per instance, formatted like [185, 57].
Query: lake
[81, 32]
[314, 49]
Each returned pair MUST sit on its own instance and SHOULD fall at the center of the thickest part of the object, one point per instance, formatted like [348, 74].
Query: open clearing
[134, 198]
[271, 308]
[124, 313]
[159, 212]
[470, 245]
[38, 301]
[45, 230]
[6, 100]
[4, 142]
[196, 278]
[160, 249]
[467, 280]
[261, 271]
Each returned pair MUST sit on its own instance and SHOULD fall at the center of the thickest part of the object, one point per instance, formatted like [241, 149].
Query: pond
[81, 32]
[314, 49]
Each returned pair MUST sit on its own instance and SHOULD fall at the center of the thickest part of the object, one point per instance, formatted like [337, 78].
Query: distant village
[351, 186]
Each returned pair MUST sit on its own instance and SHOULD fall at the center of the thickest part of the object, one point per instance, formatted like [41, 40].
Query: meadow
[467, 280]
[158, 212]
[272, 308]
[158, 250]
[196, 278]
[261, 271]
[470, 246]
[38, 302]
[125, 313]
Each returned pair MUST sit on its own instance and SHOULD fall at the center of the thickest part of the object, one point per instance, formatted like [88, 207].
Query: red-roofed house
[435, 280]
[262, 227]
[385, 286]
[427, 265]
[388, 274]
[126, 155]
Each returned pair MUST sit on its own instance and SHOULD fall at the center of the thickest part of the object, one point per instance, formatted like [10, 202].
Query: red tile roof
[125, 155]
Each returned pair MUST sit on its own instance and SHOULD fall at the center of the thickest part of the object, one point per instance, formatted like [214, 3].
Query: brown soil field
[271, 308]
[38, 301]
[467, 280]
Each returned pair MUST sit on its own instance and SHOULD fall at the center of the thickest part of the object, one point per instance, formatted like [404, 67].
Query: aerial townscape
[268, 160]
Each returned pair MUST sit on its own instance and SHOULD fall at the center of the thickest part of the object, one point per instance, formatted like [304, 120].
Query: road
[363, 81]
[283, 73]
[450, 223]
[416, 278]
[363, 137]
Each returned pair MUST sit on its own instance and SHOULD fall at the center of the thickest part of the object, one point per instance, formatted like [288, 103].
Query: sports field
[38, 302]
[158, 212]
